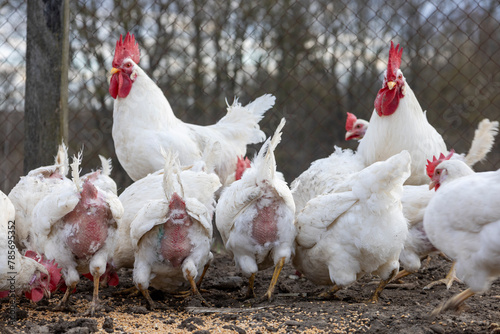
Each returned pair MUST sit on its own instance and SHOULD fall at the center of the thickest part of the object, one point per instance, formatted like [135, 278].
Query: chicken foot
[329, 294]
[274, 279]
[63, 303]
[453, 303]
[95, 303]
[448, 280]
[129, 292]
[383, 283]
[145, 293]
[194, 288]
[403, 273]
[250, 291]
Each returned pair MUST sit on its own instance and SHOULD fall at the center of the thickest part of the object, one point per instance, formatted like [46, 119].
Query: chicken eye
[358, 126]
[128, 65]
[400, 76]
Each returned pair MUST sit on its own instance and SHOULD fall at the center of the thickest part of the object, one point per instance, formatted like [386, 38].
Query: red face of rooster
[393, 89]
[127, 55]
[355, 128]
[437, 175]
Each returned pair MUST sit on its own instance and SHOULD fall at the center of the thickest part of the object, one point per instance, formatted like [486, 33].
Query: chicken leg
[374, 298]
[194, 288]
[274, 279]
[145, 293]
[453, 303]
[403, 273]
[63, 303]
[94, 304]
[205, 268]
[329, 294]
[250, 291]
[129, 292]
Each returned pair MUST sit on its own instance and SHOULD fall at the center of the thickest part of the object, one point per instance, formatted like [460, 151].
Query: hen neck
[146, 105]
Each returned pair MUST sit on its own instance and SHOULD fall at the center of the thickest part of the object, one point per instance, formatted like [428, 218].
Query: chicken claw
[453, 303]
[250, 291]
[329, 294]
[129, 292]
[95, 303]
[194, 291]
[374, 298]
[448, 280]
[145, 293]
[63, 303]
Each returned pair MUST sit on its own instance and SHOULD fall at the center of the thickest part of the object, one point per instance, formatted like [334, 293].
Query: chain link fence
[320, 59]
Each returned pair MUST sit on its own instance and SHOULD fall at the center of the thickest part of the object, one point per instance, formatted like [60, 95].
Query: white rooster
[255, 217]
[399, 123]
[359, 228]
[167, 226]
[465, 228]
[143, 122]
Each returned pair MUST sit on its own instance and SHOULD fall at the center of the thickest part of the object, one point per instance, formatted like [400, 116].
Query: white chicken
[399, 123]
[355, 128]
[31, 189]
[143, 122]
[416, 198]
[465, 228]
[18, 273]
[167, 226]
[71, 221]
[359, 228]
[255, 217]
[324, 175]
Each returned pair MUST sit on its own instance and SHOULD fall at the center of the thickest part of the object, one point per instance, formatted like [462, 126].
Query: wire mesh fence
[320, 59]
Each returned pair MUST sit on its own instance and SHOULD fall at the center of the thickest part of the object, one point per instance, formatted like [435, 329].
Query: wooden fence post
[46, 95]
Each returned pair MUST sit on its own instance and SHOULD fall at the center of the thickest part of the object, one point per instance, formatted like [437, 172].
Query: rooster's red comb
[241, 166]
[349, 123]
[431, 165]
[126, 48]
[394, 62]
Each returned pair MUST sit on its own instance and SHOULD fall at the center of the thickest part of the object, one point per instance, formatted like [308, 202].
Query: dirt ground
[403, 308]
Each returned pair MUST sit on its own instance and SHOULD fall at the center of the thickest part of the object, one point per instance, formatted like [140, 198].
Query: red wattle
[387, 101]
[114, 279]
[120, 85]
[35, 295]
[113, 86]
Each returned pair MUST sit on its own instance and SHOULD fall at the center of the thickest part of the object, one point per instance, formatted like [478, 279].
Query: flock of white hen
[353, 213]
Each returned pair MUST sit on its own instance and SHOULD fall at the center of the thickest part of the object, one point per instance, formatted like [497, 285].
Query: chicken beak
[391, 85]
[46, 293]
[114, 70]
[432, 185]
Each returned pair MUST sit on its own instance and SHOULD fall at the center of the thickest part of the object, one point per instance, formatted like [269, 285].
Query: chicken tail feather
[483, 141]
